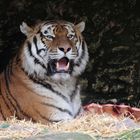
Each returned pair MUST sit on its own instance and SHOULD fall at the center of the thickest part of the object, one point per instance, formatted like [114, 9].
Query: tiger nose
[65, 49]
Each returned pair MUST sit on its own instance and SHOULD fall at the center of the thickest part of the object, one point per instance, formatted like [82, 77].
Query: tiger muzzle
[63, 65]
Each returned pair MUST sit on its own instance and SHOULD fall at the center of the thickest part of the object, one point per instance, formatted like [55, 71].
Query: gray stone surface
[62, 136]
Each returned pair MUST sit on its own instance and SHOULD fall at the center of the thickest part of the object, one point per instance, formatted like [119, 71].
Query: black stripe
[42, 37]
[12, 104]
[7, 75]
[6, 79]
[17, 59]
[46, 85]
[8, 91]
[10, 68]
[5, 100]
[58, 108]
[83, 54]
[2, 113]
[49, 87]
[17, 104]
[0, 106]
[35, 42]
[74, 92]
[37, 50]
[36, 61]
[9, 72]
[78, 112]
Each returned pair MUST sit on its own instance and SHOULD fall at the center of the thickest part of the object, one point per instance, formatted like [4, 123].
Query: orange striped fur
[40, 83]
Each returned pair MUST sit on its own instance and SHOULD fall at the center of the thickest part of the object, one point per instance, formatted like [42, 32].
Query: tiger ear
[25, 29]
[81, 26]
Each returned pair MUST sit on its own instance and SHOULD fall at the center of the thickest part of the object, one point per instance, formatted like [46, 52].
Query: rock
[62, 136]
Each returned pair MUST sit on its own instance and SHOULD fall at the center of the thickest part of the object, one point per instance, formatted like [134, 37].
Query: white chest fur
[63, 98]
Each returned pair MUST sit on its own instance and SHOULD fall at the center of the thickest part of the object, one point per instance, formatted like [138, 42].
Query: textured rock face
[63, 136]
[113, 36]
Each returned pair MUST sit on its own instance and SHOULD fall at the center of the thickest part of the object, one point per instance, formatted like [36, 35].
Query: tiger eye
[71, 36]
[45, 32]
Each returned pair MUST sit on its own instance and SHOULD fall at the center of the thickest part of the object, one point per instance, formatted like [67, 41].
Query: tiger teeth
[67, 67]
[58, 67]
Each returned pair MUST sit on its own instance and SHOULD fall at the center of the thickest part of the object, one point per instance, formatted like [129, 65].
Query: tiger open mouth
[63, 65]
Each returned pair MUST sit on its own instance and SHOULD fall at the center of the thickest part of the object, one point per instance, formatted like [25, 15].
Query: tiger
[41, 82]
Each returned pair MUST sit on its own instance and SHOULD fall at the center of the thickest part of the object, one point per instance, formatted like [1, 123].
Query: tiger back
[40, 82]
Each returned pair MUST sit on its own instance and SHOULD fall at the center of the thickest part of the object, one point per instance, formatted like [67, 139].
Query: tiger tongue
[62, 64]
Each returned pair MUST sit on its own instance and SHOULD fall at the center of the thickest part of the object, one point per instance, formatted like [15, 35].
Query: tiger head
[54, 48]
